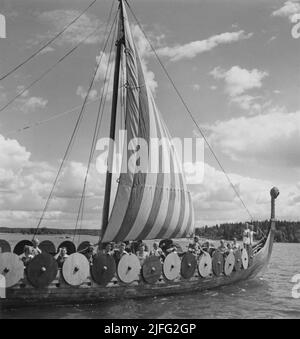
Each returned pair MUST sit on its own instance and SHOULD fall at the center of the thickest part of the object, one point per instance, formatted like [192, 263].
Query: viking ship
[146, 206]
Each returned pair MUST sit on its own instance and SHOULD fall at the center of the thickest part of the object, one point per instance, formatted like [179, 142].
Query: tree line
[286, 231]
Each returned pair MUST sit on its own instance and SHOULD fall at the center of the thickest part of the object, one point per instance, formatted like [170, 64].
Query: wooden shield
[250, 256]
[152, 269]
[229, 264]
[245, 259]
[103, 269]
[42, 270]
[4, 246]
[47, 246]
[129, 268]
[218, 263]
[171, 267]
[71, 248]
[83, 247]
[188, 265]
[19, 248]
[12, 268]
[238, 260]
[76, 269]
[205, 265]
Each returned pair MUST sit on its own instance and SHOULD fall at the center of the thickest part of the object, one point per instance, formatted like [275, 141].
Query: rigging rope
[47, 44]
[189, 112]
[71, 141]
[57, 116]
[96, 134]
[25, 89]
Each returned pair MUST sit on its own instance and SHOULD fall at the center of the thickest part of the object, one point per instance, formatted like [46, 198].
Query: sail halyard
[148, 204]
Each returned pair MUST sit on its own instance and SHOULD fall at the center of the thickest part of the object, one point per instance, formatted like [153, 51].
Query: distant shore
[287, 231]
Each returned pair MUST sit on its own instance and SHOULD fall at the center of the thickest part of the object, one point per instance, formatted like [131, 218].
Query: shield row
[43, 269]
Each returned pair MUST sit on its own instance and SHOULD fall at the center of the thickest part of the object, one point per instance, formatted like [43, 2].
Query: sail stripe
[139, 179]
[148, 198]
[158, 194]
[167, 179]
[178, 208]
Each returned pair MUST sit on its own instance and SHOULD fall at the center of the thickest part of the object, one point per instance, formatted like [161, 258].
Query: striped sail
[153, 203]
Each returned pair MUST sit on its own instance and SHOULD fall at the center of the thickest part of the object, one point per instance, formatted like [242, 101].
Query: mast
[107, 194]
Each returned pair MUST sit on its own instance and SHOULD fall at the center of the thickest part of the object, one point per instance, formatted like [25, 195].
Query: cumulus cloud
[85, 25]
[192, 49]
[215, 201]
[272, 138]
[82, 93]
[27, 103]
[238, 81]
[288, 10]
[25, 186]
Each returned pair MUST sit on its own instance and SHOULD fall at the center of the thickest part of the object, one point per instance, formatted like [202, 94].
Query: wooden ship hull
[60, 293]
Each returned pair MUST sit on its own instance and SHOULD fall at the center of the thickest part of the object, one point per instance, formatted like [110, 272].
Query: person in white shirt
[246, 236]
[252, 233]
[142, 254]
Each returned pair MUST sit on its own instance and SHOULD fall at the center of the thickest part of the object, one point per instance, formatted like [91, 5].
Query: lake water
[269, 296]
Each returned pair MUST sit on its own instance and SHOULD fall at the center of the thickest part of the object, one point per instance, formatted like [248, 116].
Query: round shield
[84, 246]
[172, 266]
[47, 246]
[42, 270]
[250, 256]
[103, 269]
[71, 248]
[129, 268]
[152, 269]
[245, 259]
[12, 268]
[76, 269]
[229, 264]
[19, 248]
[218, 263]
[188, 265]
[205, 265]
[4, 246]
[238, 260]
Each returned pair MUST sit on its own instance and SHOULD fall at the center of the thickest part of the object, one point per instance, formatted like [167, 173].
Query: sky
[235, 62]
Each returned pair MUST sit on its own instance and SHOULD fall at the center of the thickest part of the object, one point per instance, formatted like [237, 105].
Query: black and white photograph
[149, 162]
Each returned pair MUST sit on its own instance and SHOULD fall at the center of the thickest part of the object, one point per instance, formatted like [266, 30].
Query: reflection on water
[265, 297]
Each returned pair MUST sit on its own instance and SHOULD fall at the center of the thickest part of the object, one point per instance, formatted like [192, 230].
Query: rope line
[25, 89]
[47, 43]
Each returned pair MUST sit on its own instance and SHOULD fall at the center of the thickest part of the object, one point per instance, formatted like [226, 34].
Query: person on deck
[35, 250]
[157, 251]
[118, 254]
[235, 245]
[61, 257]
[108, 249]
[196, 247]
[246, 237]
[142, 254]
[90, 254]
[27, 256]
[252, 233]
[222, 248]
